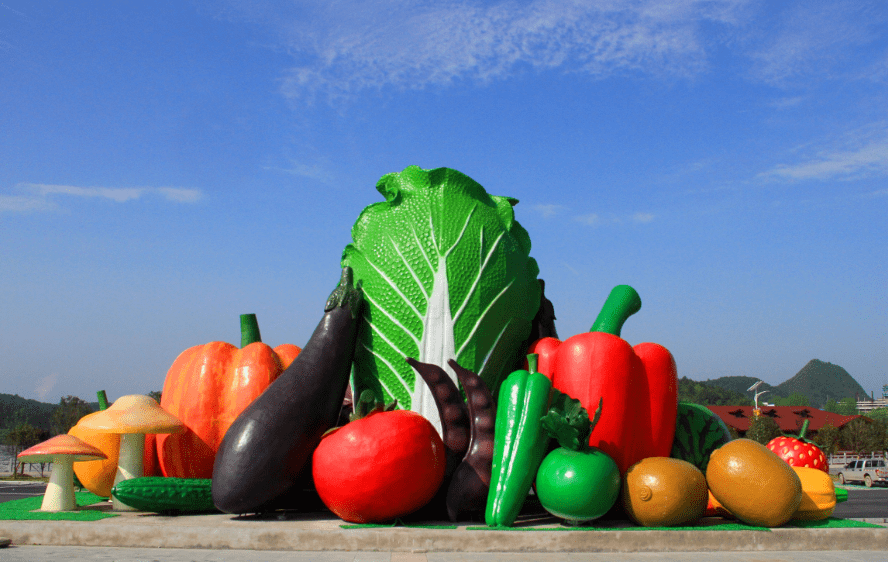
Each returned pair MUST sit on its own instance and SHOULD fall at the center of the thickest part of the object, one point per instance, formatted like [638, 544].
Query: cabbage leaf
[446, 274]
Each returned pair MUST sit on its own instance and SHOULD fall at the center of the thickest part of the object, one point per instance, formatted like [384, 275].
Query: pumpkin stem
[103, 400]
[622, 303]
[249, 329]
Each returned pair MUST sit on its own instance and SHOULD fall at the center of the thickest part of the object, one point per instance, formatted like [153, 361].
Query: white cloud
[180, 195]
[116, 194]
[317, 172]
[343, 47]
[24, 204]
[858, 154]
[591, 219]
[45, 385]
[548, 210]
[39, 196]
[817, 37]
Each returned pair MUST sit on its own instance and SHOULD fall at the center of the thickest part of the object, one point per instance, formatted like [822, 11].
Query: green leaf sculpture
[446, 274]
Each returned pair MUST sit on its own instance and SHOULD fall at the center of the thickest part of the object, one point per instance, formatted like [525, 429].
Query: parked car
[868, 471]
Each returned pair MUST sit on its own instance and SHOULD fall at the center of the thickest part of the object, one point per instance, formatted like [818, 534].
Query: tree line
[862, 436]
[20, 433]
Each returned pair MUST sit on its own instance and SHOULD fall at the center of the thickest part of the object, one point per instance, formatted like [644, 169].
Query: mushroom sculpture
[62, 451]
[132, 416]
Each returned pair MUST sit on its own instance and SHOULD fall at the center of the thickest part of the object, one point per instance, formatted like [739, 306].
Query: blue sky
[168, 166]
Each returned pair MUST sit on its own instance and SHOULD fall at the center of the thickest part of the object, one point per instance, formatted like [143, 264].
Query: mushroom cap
[63, 444]
[134, 413]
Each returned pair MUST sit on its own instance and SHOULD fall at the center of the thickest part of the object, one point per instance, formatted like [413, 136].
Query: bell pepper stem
[622, 303]
[532, 362]
[249, 329]
[103, 400]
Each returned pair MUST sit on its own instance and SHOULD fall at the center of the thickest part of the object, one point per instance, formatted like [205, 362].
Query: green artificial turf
[24, 509]
[715, 527]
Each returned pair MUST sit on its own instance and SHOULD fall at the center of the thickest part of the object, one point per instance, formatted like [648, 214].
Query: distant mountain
[741, 385]
[818, 380]
[707, 394]
[14, 409]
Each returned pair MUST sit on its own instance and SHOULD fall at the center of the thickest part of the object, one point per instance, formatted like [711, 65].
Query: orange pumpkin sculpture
[207, 387]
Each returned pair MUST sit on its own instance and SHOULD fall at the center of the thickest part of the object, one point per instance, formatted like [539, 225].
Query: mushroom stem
[59, 495]
[129, 464]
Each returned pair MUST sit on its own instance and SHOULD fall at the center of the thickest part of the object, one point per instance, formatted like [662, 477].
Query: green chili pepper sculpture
[520, 443]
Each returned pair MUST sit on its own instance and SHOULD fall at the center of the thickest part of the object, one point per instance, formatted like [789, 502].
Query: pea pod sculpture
[467, 433]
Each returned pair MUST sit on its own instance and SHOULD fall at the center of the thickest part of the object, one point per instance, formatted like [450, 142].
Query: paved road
[17, 490]
[864, 503]
[90, 554]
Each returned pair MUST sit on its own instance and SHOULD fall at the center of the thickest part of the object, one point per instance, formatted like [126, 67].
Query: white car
[868, 471]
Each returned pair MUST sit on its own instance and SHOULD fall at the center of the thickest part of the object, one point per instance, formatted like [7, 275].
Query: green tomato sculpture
[575, 481]
[578, 486]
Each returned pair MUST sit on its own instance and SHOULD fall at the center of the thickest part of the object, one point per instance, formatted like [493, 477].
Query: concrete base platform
[323, 532]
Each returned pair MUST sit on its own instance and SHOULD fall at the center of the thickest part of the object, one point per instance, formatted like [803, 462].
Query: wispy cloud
[821, 38]
[858, 154]
[45, 385]
[40, 196]
[343, 47]
[319, 172]
[593, 219]
[590, 219]
[548, 210]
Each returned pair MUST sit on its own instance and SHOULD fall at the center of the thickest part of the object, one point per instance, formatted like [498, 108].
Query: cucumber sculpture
[265, 449]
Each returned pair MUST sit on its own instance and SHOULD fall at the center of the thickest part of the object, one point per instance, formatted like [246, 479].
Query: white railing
[844, 457]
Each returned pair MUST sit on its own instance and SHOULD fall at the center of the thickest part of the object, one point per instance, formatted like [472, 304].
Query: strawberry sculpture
[798, 451]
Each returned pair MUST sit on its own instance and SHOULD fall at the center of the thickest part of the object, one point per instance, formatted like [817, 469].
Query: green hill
[707, 394]
[820, 381]
[740, 385]
[14, 409]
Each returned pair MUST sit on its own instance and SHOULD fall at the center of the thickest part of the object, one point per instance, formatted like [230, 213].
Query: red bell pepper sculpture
[639, 384]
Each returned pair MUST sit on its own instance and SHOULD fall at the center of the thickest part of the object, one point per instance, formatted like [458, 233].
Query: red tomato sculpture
[380, 467]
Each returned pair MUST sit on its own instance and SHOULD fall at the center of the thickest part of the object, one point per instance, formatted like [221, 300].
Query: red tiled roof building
[788, 418]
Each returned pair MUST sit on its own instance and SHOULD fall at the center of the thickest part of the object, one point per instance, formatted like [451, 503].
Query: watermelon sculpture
[698, 432]
[446, 274]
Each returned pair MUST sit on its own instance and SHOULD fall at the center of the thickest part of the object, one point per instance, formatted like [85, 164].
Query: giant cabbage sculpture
[446, 274]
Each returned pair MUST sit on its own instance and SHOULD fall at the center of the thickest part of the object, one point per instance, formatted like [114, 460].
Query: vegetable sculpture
[575, 481]
[166, 495]
[207, 387]
[468, 437]
[520, 443]
[639, 385]
[379, 467]
[446, 274]
[266, 447]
